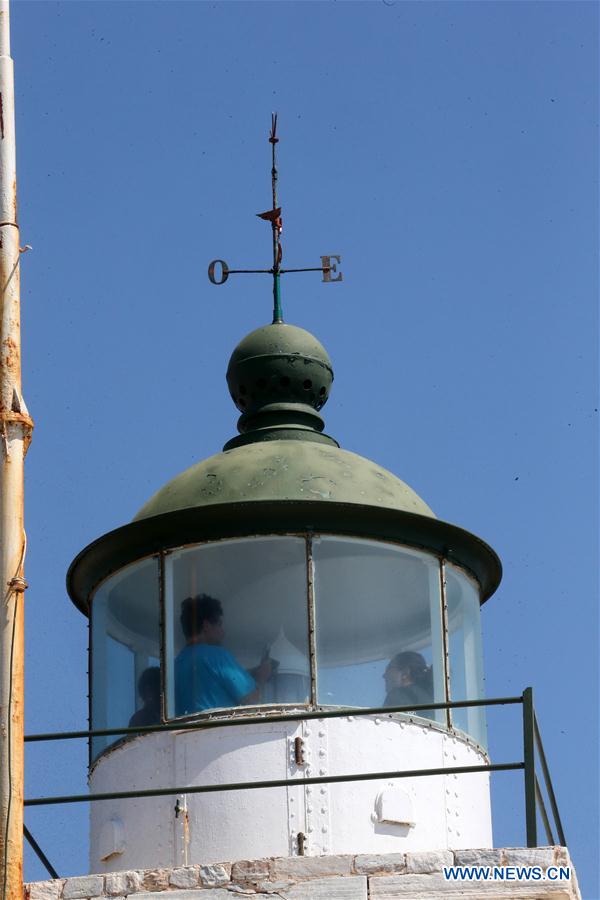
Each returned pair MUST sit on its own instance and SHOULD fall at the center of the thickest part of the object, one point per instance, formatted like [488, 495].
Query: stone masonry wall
[406, 876]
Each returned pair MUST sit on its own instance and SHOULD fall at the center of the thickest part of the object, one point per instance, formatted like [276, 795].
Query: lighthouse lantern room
[282, 577]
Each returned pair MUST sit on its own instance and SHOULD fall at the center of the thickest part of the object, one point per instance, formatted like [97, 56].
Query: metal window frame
[312, 621]
[445, 642]
[232, 712]
[92, 760]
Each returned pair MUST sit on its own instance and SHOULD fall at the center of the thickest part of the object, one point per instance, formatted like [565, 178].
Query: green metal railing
[534, 800]
[532, 742]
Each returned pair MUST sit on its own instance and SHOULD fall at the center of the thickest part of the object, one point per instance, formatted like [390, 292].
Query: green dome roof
[284, 470]
[279, 376]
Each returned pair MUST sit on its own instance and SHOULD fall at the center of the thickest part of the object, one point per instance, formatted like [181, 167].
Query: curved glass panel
[378, 625]
[236, 625]
[464, 649]
[125, 651]
[236, 632]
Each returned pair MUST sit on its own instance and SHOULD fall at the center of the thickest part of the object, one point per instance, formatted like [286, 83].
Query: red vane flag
[272, 215]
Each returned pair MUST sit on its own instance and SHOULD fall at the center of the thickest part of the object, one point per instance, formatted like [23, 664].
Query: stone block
[561, 856]
[241, 892]
[250, 870]
[426, 861]
[371, 864]
[274, 888]
[213, 876]
[353, 887]
[155, 879]
[184, 877]
[121, 883]
[434, 887]
[83, 886]
[312, 866]
[44, 890]
[197, 894]
[483, 857]
[529, 856]
[415, 887]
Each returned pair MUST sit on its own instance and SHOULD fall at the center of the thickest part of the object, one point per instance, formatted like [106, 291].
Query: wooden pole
[15, 435]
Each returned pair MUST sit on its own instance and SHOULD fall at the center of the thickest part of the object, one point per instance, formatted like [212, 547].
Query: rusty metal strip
[312, 637]
[445, 634]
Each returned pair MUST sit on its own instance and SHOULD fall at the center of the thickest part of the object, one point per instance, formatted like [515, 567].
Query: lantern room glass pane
[125, 655]
[464, 650]
[237, 625]
[378, 625]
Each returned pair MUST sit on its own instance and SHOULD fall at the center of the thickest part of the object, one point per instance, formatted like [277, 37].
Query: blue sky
[449, 152]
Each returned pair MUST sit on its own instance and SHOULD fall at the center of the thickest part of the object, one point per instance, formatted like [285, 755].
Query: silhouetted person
[206, 675]
[408, 680]
[149, 691]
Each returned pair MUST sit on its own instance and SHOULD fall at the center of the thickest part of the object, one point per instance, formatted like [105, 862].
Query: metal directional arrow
[219, 271]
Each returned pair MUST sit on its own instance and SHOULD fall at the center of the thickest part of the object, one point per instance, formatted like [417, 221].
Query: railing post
[529, 771]
[548, 781]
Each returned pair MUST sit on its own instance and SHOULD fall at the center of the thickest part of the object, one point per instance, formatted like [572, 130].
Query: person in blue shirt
[206, 675]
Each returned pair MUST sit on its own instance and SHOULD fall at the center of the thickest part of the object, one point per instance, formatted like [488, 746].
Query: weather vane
[328, 267]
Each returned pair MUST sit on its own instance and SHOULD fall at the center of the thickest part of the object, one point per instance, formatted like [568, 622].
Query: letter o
[224, 271]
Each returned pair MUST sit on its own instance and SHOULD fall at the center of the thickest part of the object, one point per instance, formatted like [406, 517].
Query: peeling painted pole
[15, 435]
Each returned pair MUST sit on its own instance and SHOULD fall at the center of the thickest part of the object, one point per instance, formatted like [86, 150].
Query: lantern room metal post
[15, 434]
[529, 770]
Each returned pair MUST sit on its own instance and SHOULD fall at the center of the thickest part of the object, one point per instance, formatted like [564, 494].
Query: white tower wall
[379, 816]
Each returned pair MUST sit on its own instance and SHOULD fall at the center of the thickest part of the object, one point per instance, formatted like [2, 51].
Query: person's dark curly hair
[149, 683]
[414, 662]
[195, 611]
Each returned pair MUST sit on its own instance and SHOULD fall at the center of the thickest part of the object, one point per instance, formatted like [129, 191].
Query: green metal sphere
[279, 363]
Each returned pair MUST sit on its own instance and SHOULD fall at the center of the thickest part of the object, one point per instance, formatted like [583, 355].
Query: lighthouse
[286, 673]
[254, 607]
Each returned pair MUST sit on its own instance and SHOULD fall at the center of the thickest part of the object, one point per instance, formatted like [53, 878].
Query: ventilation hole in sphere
[243, 389]
[323, 391]
[307, 384]
[284, 381]
[242, 401]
